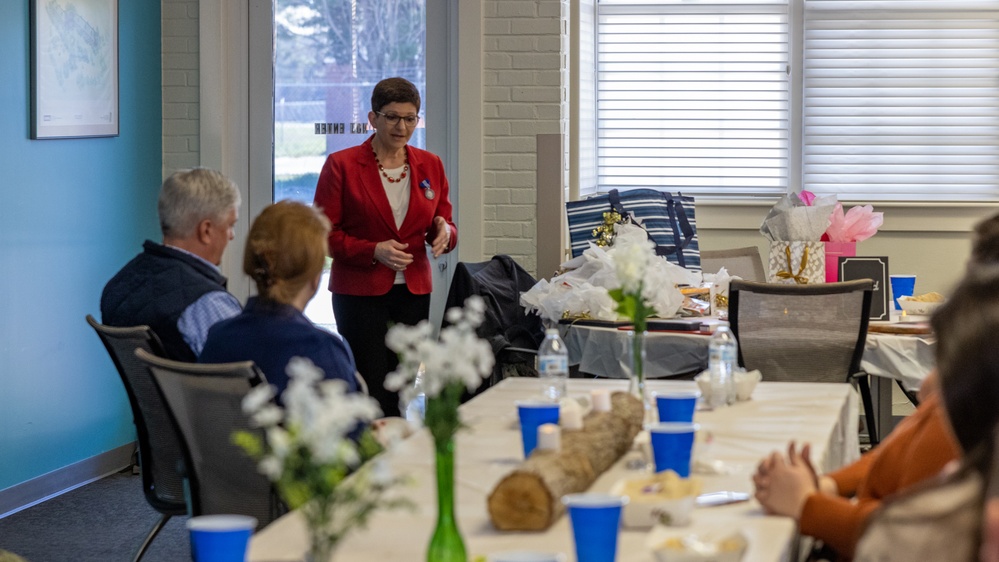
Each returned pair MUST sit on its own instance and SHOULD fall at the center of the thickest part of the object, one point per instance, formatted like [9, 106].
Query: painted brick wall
[524, 95]
[180, 85]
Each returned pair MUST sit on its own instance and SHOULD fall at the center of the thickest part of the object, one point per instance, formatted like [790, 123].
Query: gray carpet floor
[104, 521]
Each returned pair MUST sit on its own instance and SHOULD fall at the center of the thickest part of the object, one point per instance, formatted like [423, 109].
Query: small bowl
[644, 512]
[703, 381]
[701, 548]
[918, 308]
[745, 383]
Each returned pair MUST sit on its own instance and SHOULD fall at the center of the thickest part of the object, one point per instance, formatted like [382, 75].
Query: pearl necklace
[405, 168]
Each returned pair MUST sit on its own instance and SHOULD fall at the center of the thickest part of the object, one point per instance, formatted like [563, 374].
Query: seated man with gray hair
[176, 287]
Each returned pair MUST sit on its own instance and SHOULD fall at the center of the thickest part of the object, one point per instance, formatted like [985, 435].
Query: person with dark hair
[176, 288]
[284, 255]
[386, 202]
[985, 244]
[942, 520]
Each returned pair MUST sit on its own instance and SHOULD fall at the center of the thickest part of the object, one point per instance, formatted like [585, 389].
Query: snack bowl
[918, 308]
[663, 498]
[705, 547]
[703, 380]
[745, 383]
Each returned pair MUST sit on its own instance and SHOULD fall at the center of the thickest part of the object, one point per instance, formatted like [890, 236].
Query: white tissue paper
[583, 291]
[790, 219]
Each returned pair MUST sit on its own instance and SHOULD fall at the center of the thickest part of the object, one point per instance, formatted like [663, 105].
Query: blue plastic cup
[220, 538]
[595, 521]
[901, 286]
[672, 443]
[533, 415]
[677, 406]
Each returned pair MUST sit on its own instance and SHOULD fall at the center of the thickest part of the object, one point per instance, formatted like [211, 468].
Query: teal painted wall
[71, 213]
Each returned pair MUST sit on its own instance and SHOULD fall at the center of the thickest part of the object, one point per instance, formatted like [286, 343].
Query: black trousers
[364, 321]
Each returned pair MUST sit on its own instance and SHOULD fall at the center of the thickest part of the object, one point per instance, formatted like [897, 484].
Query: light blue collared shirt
[203, 313]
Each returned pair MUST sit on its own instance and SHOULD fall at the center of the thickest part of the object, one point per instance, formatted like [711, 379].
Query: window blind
[693, 96]
[901, 99]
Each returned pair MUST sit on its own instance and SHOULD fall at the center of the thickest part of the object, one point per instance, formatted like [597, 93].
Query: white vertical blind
[587, 95]
[693, 96]
[901, 99]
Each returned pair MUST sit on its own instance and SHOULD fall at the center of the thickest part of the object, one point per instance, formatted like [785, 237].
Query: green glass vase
[446, 545]
[635, 364]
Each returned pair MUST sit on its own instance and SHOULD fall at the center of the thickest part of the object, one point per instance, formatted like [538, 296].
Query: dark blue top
[154, 289]
[270, 334]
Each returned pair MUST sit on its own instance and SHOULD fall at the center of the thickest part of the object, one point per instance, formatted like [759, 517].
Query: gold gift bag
[797, 261]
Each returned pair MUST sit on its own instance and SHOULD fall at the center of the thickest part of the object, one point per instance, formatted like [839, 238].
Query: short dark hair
[985, 245]
[394, 90]
[968, 361]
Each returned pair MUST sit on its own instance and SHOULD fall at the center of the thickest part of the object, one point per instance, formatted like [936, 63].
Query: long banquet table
[824, 415]
[596, 349]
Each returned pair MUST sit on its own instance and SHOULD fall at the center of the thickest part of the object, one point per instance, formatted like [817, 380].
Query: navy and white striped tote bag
[669, 220]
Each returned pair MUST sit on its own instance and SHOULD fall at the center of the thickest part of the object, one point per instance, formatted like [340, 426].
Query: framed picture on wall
[74, 68]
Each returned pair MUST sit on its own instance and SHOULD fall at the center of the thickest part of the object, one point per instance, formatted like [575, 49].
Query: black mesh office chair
[813, 333]
[513, 335]
[160, 453]
[205, 403]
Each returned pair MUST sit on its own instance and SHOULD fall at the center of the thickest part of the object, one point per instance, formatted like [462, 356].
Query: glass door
[328, 55]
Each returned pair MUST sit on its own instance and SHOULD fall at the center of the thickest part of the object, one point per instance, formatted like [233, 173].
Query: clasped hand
[784, 484]
[392, 253]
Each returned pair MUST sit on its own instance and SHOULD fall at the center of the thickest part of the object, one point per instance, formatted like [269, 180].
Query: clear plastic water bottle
[553, 365]
[417, 407]
[723, 352]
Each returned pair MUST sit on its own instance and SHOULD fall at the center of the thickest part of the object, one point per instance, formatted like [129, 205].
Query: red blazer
[351, 194]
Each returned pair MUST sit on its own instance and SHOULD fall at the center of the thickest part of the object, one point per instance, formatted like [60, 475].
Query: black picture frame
[74, 68]
[876, 269]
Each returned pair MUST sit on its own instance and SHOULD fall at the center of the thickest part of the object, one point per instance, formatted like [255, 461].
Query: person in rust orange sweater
[835, 507]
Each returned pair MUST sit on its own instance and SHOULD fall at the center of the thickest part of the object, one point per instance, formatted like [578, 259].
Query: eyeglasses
[409, 120]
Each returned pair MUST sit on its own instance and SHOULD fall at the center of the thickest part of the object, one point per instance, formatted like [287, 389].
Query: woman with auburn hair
[284, 255]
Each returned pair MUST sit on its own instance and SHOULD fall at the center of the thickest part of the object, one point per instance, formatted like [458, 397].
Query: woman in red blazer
[385, 201]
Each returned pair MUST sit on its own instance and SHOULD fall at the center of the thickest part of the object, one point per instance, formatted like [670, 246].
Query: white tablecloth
[822, 414]
[906, 358]
[599, 351]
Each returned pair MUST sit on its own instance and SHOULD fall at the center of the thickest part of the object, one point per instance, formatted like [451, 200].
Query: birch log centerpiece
[529, 498]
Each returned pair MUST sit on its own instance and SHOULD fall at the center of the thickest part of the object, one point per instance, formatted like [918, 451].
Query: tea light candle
[571, 418]
[601, 400]
[549, 437]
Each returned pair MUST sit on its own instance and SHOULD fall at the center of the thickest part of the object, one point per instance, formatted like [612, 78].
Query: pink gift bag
[833, 251]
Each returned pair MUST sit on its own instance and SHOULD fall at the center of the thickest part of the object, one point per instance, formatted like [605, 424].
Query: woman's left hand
[443, 237]
[783, 485]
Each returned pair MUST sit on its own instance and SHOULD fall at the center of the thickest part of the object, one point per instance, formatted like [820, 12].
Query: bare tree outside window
[328, 55]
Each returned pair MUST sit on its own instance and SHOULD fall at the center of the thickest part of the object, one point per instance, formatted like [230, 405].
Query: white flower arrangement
[308, 451]
[459, 356]
[459, 360]
[318, 415]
